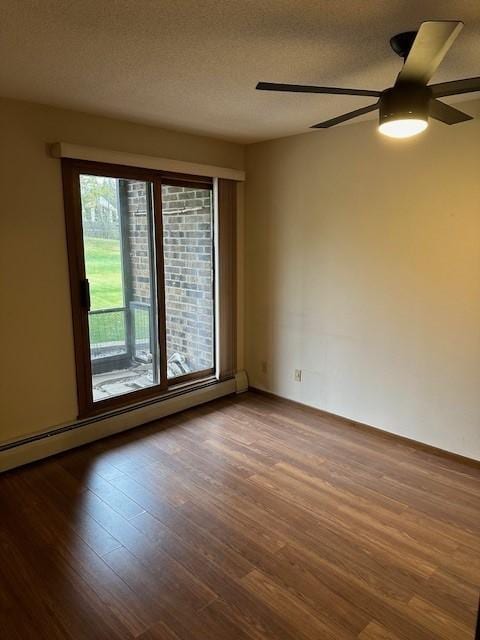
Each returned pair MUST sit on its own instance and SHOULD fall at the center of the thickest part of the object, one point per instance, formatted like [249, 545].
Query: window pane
[189, 287]
[117, 219]
[101, 230]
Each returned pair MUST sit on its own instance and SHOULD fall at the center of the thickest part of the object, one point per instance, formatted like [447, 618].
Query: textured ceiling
[192, 65]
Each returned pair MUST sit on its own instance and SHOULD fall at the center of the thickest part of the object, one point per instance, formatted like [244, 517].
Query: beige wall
[363, 270]
[37, 384]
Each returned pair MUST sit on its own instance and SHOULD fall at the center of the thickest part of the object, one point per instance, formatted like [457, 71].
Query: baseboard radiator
[80, 432]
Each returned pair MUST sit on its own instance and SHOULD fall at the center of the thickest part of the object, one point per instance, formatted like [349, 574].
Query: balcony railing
[121, 335]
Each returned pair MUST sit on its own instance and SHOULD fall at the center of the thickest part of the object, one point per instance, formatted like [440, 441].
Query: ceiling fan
[405, 107]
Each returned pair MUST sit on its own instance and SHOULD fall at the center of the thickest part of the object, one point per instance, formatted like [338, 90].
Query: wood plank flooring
[244, 519]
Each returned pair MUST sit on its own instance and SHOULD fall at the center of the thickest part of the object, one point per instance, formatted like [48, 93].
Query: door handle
[85, 294]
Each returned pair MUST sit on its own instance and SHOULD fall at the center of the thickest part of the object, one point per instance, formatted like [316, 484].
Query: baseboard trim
[80, 432]
[421, 446]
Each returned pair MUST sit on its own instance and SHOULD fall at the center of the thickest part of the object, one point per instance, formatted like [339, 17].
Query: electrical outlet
[263, 366]
[298, 375]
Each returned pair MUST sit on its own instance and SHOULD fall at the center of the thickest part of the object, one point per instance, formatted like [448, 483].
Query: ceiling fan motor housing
[404, 102]
[402, 42]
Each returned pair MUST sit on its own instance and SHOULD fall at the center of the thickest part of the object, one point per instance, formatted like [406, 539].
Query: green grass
[103, 264]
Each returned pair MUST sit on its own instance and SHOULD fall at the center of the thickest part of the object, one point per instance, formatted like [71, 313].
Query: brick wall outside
[138, 239]
[188, 258]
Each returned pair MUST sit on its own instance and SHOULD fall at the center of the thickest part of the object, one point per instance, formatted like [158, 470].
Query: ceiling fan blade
[447, 114]
[305, 88]
[430, 46]
[346, 116]
[455, 87]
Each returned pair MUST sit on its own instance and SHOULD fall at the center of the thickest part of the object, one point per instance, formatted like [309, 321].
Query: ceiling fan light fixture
[403, 127]
[404, 111]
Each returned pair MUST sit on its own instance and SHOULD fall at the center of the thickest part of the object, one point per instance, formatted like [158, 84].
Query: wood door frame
[227, 277]
[71, 170]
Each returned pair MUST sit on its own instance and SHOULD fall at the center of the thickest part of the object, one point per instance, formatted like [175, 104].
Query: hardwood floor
[243, 519]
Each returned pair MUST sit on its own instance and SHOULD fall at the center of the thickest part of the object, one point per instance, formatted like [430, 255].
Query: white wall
[363, 270]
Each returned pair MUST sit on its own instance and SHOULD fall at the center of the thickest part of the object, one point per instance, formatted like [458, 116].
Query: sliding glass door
[119, 254]
[142, 265]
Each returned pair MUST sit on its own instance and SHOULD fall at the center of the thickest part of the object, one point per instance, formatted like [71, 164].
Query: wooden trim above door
[106, 156]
